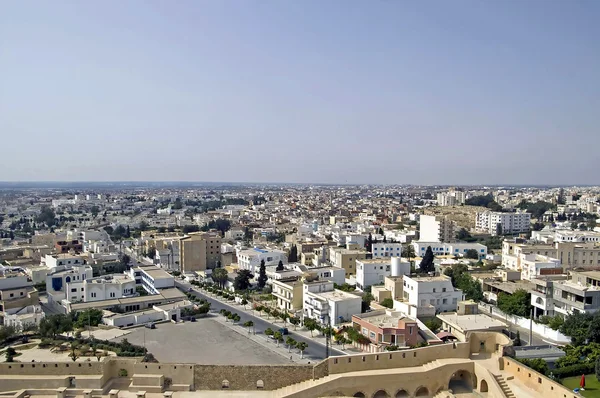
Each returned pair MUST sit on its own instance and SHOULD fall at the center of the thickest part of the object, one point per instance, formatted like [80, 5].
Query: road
[315, 350]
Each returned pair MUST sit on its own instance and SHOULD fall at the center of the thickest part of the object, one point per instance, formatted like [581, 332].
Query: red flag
[582, 382]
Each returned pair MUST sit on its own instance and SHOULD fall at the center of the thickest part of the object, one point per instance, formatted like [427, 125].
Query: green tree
[219, 275]
[6, 332]
[278, 337]
[242, 280]
[301, 347]
[279, 266]
[249, 325]
[561, 197]
[294, 321]
[426, 264]
[388, 303]
[499, 229]
[290, 343]
[10, 354]
[269, 332]
[537, 364]
[463, 234]
[262, 275]
[125, 260]
[408, 251]
[293, 256]
[151, 253]
[53, 325]
[472, 254]
[311, 325]
[244, 302]
[89, 317]
[518, 303]
[367, 297]
[95, 210]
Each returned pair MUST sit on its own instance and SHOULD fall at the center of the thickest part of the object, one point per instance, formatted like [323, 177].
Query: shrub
[574, 370]
[123, 373]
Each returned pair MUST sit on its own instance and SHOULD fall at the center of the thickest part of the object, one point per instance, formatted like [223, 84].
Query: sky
[381, 91]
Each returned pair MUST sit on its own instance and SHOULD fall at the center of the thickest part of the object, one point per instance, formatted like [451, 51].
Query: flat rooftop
[511, 287]
[471, 322]
[156, 273]
[338, 295]
[383, 319]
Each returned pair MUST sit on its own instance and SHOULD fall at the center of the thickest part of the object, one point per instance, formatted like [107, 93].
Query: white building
[381, 249]
[493, 222]
[327, 305]
[250, 259]
[152, 278]
[103, 288]
[60, 283]
[450, 249]
[451, 198]
[533, 265]
[426, 296]
[436, 229]
[163, 312]
[371, 272]
[54, 261]
[333, 274]
[235, 234]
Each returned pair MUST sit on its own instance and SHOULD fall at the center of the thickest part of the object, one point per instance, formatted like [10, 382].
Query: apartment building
[58, 283]
[346, 258]
[288, 294]
[554, 296]
[459, 249]
[494, 222]
[371, 272]
[152, 278]
[333, 274]
[570, 254]
[451, 198]
[436, 229]
[17, 297]
[426, 296]
[381, 249]
[101, 288]
[535, 265]
[63, 246]
[250, 259]
[199, 251]
[387, 327]
[327, 305]
[63, 260]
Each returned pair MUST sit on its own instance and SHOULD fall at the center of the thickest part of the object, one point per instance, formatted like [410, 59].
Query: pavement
[207, 342]
[523, 332]
[315, 351]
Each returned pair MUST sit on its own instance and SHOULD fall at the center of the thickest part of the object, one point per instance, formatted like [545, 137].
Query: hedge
[574, 370]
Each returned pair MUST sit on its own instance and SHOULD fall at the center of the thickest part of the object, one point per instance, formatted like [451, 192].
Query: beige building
[288, 294]
[346, 258]
[478, 367]
[570, 254]
[199, 251]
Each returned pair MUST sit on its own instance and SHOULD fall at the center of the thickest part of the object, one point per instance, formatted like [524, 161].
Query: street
[315, 350]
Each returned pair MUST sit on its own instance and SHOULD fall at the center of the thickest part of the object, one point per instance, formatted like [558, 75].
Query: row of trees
[290, 341]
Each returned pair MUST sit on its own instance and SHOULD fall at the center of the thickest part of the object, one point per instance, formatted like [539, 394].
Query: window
[434, 289]
[112, 294]
[93, 294]
[73, 290]
[445, 301]
[443, 289]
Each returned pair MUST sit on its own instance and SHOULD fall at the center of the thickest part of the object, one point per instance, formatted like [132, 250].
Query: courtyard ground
[205, 342]
[592, 385]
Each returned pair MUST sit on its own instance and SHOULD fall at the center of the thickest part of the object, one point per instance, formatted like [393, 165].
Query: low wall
[397, 359]
[178, 373]
[51, 368]
[214, 377]
[534, 380]
[537, 328]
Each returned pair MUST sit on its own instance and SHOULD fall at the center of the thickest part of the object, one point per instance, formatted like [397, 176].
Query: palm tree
[302, 346]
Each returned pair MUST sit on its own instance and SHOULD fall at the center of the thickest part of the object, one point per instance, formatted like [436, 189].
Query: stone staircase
[431, 365]
[504, 386]
[297, 387]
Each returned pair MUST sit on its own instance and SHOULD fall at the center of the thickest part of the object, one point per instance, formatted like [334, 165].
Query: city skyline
[325, 93]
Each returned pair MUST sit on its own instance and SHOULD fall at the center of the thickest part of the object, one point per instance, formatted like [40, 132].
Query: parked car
[150, 326]
[284, 331]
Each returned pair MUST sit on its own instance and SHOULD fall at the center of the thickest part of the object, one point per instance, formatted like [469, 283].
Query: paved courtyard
[204, 342]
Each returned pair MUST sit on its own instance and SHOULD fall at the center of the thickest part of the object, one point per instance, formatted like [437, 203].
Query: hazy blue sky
[446, 92]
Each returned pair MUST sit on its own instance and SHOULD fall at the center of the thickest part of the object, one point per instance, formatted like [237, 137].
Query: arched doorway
[422, 392]
[402, 394]
[462, 381]
[360, 395]
[483, 387]
[381, 394]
